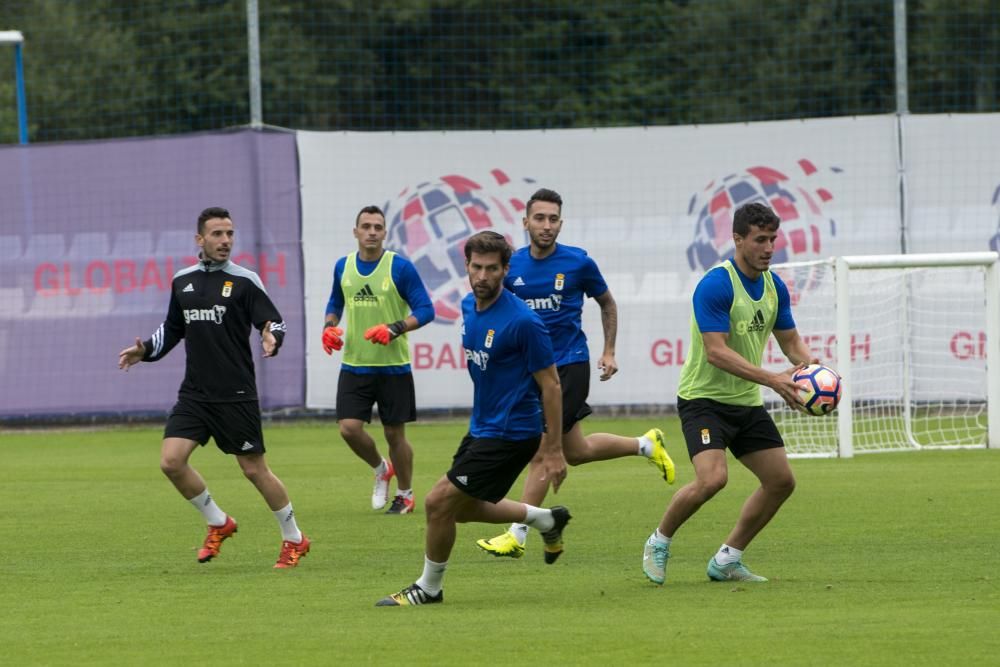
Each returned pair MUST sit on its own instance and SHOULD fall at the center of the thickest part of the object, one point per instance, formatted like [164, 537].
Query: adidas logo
[246, 446]
[189, 288]
[366, 296]
[757, 324]
[462, 479]
[518, 282]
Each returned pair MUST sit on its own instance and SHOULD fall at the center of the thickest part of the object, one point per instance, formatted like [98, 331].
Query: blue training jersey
[409, 286]
[504, 345]
[713, 297]
[555, 287]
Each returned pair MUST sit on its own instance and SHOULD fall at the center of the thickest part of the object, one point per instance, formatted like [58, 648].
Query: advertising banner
[91, 235]
[652, 206]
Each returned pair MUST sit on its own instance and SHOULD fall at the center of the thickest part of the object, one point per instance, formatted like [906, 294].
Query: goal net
[912, 336]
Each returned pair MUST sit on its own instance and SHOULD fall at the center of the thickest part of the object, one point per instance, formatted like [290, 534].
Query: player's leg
[294, 543]
[185, 429]
[482, 472]
[761, 450]
[396, 406]
[706, 432]
[574, 379]
[236, 429]
[355, 398]
[174, 456]
[605, 446]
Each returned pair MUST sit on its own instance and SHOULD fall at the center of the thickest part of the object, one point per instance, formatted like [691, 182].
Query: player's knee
[350, 431]
[172, 467]
[783, 485]
[395, 436]
[434, 505]
[711, 484]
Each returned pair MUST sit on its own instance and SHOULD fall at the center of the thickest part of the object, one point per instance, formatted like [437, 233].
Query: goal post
[914, 337]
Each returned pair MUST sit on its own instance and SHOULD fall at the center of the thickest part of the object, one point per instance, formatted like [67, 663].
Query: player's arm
[551, 449]
[412, 289]
[785, 332]
[167, 335]
[332, 334]
[793, 347]
[266, 318]
[609, 322]
[723, 357]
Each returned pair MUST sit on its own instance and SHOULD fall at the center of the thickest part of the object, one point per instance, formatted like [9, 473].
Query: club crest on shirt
[489, 339]
[560, 280]
[227, 288]
[706, 437]
[385, 284]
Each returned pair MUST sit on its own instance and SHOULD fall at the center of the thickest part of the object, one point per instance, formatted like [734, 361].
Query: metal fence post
[17, 39]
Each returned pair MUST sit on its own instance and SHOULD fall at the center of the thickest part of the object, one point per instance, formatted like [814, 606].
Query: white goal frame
[842, 269]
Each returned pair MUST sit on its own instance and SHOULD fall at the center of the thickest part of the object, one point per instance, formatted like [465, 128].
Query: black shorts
[486, 468]
[356, 393]
[575, 381]
[234, 426]
[708, 424]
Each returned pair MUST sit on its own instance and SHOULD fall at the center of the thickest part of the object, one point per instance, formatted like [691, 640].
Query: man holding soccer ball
[737, 306]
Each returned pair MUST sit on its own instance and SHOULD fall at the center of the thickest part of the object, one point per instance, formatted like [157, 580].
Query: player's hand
[383, 334]
[783, 385]
[267, 341]
[332, 338]
[608, 366]
[131, 355]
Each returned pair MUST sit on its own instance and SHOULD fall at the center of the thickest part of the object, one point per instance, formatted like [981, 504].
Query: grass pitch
[881, 559]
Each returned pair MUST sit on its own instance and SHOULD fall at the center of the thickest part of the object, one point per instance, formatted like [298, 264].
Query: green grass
[882, 559]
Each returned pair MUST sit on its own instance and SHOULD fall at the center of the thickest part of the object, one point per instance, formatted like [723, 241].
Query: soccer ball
[821, 387]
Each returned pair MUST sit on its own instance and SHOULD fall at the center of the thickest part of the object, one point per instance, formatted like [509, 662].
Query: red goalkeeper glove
[383, 334]
[332, 338]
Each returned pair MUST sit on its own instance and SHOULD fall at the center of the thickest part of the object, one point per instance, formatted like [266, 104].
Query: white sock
[204, 503]
[659, 538]
[645, 446]
[433, 574]
[519, 531]
[381, 468]
[538, 518]
[728, 554]
[406, 493]
[286, 520]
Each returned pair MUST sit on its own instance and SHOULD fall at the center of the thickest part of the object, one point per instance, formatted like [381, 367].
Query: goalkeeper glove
[332, 338]
[383, 334]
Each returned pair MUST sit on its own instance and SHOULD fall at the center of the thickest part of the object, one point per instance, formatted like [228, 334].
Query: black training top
[212, 307]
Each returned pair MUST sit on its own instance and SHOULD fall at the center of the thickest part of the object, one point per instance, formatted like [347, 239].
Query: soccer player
[213, 304]
[385, 299]
[510, 361]
[737, 306]
[554, 281]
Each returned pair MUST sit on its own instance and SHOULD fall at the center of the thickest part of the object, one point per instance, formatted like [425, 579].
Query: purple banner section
[91, 235]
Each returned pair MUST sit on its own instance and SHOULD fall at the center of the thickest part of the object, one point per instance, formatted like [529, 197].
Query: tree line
[116, 68]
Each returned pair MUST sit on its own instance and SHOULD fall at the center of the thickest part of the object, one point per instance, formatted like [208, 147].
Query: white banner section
[652, 206]
[953, 182]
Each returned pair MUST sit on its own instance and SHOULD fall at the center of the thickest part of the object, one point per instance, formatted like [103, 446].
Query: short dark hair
[208, 214]
[368, 209]
[754, 215]
[544, 194]
[486, 242]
